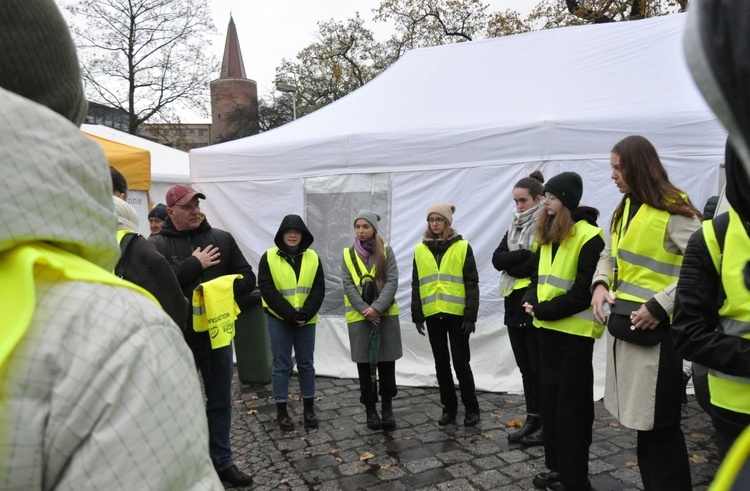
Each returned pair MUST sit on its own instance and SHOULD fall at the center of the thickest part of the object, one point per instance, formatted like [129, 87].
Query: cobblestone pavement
[343, 454]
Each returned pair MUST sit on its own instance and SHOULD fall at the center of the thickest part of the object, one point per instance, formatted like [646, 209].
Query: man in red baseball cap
[199, 253]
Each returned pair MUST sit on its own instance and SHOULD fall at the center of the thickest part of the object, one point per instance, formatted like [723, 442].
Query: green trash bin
[252, 345]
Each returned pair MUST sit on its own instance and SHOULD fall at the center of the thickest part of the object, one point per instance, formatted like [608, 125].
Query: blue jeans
[216, 367]
[283, 338]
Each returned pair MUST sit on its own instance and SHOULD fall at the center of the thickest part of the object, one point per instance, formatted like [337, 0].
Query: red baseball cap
[181, 194]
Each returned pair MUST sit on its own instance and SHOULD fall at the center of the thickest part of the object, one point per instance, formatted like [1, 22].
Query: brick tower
[234, 97]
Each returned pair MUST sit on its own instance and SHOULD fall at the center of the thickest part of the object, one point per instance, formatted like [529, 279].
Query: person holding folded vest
[292, 287]
[558, 298]
[374, 328]
[643, 389]
[712, 307]
[445, 295]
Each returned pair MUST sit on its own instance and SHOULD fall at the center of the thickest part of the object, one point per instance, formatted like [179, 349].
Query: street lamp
[290, 89]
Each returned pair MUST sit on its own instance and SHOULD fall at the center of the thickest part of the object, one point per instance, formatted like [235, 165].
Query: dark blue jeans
[216, 367]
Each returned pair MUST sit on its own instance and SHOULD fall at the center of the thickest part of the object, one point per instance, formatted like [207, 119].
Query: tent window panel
[330, 218]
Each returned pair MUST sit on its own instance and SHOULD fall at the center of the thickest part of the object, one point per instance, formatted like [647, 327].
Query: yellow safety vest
[21, 266]
[644, 266]
[295, 292]
[558, 276]
[215, 310]
[442, 289]
[738, 455]
[728, 391]
[351, 314]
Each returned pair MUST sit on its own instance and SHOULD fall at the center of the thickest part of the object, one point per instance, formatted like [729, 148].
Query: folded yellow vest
[215, 310]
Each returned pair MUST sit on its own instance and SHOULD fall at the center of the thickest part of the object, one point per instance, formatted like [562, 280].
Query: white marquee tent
[463, 123]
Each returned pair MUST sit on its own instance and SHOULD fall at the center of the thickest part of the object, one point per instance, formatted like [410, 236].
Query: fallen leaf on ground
[631, 464]
[384, 467]
[698, 459]
[339, 459]
[516, 423]
[334, 450]
[488, 436]
[252, 411]
[366, 456]
[614, 424]
[284, 481]
[699, 436]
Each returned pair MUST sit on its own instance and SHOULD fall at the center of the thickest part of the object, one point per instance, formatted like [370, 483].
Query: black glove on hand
[420, 327]
[468, 327]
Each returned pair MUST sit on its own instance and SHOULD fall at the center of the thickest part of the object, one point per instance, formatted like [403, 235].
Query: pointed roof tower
[232, 65]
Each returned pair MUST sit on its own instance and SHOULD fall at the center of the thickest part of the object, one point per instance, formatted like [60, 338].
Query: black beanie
[567, 187]
[159, 211]
[38, 57]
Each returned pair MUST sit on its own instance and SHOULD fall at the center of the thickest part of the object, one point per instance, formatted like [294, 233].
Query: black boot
[308, 413]
[388, 422]
[531, 424]
[282, 417]
[533, 440]
[373, 418]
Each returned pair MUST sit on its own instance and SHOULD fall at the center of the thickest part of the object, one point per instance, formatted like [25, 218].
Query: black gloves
[468, 327]
[420, 327]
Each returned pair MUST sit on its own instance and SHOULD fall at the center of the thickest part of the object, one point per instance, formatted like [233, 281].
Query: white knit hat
[127, 218]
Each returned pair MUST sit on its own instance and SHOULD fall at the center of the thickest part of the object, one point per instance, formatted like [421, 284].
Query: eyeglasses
[436, 220]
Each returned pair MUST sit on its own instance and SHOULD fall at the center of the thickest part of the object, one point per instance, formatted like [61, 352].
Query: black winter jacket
[178, 246]
[521, 263]
[471, 280]
[578, 298]
[268, 291]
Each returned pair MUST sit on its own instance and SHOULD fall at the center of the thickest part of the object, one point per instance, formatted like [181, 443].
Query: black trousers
[728, 424]
[663, 460]
[567, 386]
[441, 330]
[386, 380]
[525, 344]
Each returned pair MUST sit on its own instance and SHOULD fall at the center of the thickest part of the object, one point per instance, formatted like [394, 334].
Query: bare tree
[145, 57]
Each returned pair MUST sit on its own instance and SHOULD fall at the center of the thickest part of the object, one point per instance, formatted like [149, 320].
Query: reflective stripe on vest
[442, 289]
[351, 314]
[557, 276]
[645, 267]
[295, 292]
[728, 391]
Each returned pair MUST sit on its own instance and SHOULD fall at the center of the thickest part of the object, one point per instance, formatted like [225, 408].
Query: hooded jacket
[178, 246]
[74, 413]
[268, 291]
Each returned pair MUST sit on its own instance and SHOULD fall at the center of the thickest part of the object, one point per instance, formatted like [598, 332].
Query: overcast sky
[270, 30]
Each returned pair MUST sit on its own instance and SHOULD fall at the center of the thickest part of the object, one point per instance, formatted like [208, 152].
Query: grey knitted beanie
[369, 215]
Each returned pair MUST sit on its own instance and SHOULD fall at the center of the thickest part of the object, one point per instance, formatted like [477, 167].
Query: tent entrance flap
[331, 203]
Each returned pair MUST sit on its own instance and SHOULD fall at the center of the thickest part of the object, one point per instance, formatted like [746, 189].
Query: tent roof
[134, 163]
[167, 164]
[546, 95]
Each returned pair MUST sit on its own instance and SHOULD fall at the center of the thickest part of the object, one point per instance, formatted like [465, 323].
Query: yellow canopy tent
[133, 162]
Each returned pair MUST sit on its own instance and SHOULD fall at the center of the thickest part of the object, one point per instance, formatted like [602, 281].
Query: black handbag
[619, 325]
[366, 281]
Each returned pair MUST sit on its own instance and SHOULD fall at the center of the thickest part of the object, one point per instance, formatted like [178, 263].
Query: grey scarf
[520, 236]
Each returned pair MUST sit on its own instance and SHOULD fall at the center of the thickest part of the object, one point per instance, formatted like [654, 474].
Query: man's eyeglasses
[436, 220]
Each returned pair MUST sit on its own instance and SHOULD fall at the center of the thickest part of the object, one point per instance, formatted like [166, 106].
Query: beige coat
[630, 383]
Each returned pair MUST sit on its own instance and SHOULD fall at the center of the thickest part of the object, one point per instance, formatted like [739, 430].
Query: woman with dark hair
[558, 298]
[650, 230]
[514, 259]
[374, 328]
[445, 295]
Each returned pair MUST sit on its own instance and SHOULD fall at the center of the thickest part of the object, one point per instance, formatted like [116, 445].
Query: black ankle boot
[282, 417]
[531, 424]
[308, 413]
[534, 439]
[373, 418]
[388, 422]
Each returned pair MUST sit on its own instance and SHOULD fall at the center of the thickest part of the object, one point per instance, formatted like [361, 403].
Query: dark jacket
[578, 298]
[178, 246]
[142, 264]
[521, 263]
[471, 280]
[268, 291]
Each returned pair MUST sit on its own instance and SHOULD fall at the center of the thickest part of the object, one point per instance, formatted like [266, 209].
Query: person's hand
[528, 308]
[420, 327]
[642, 319]
[468, 327]
[300, 319]
[208, 256]
[598, 299]
[372, 316]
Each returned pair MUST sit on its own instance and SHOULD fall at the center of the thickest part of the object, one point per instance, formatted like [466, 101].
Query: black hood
[295, 222]
[716, 49]
[585, 213]
[738, 185]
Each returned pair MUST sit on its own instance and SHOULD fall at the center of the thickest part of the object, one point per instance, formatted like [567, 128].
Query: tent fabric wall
[134, 163]
[463, 123]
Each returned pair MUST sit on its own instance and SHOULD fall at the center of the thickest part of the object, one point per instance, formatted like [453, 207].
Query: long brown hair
[448, 232]
[554, 228]
[380, 263]
[647, 178]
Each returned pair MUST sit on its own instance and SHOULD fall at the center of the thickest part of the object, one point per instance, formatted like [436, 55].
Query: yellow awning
[133, 162]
